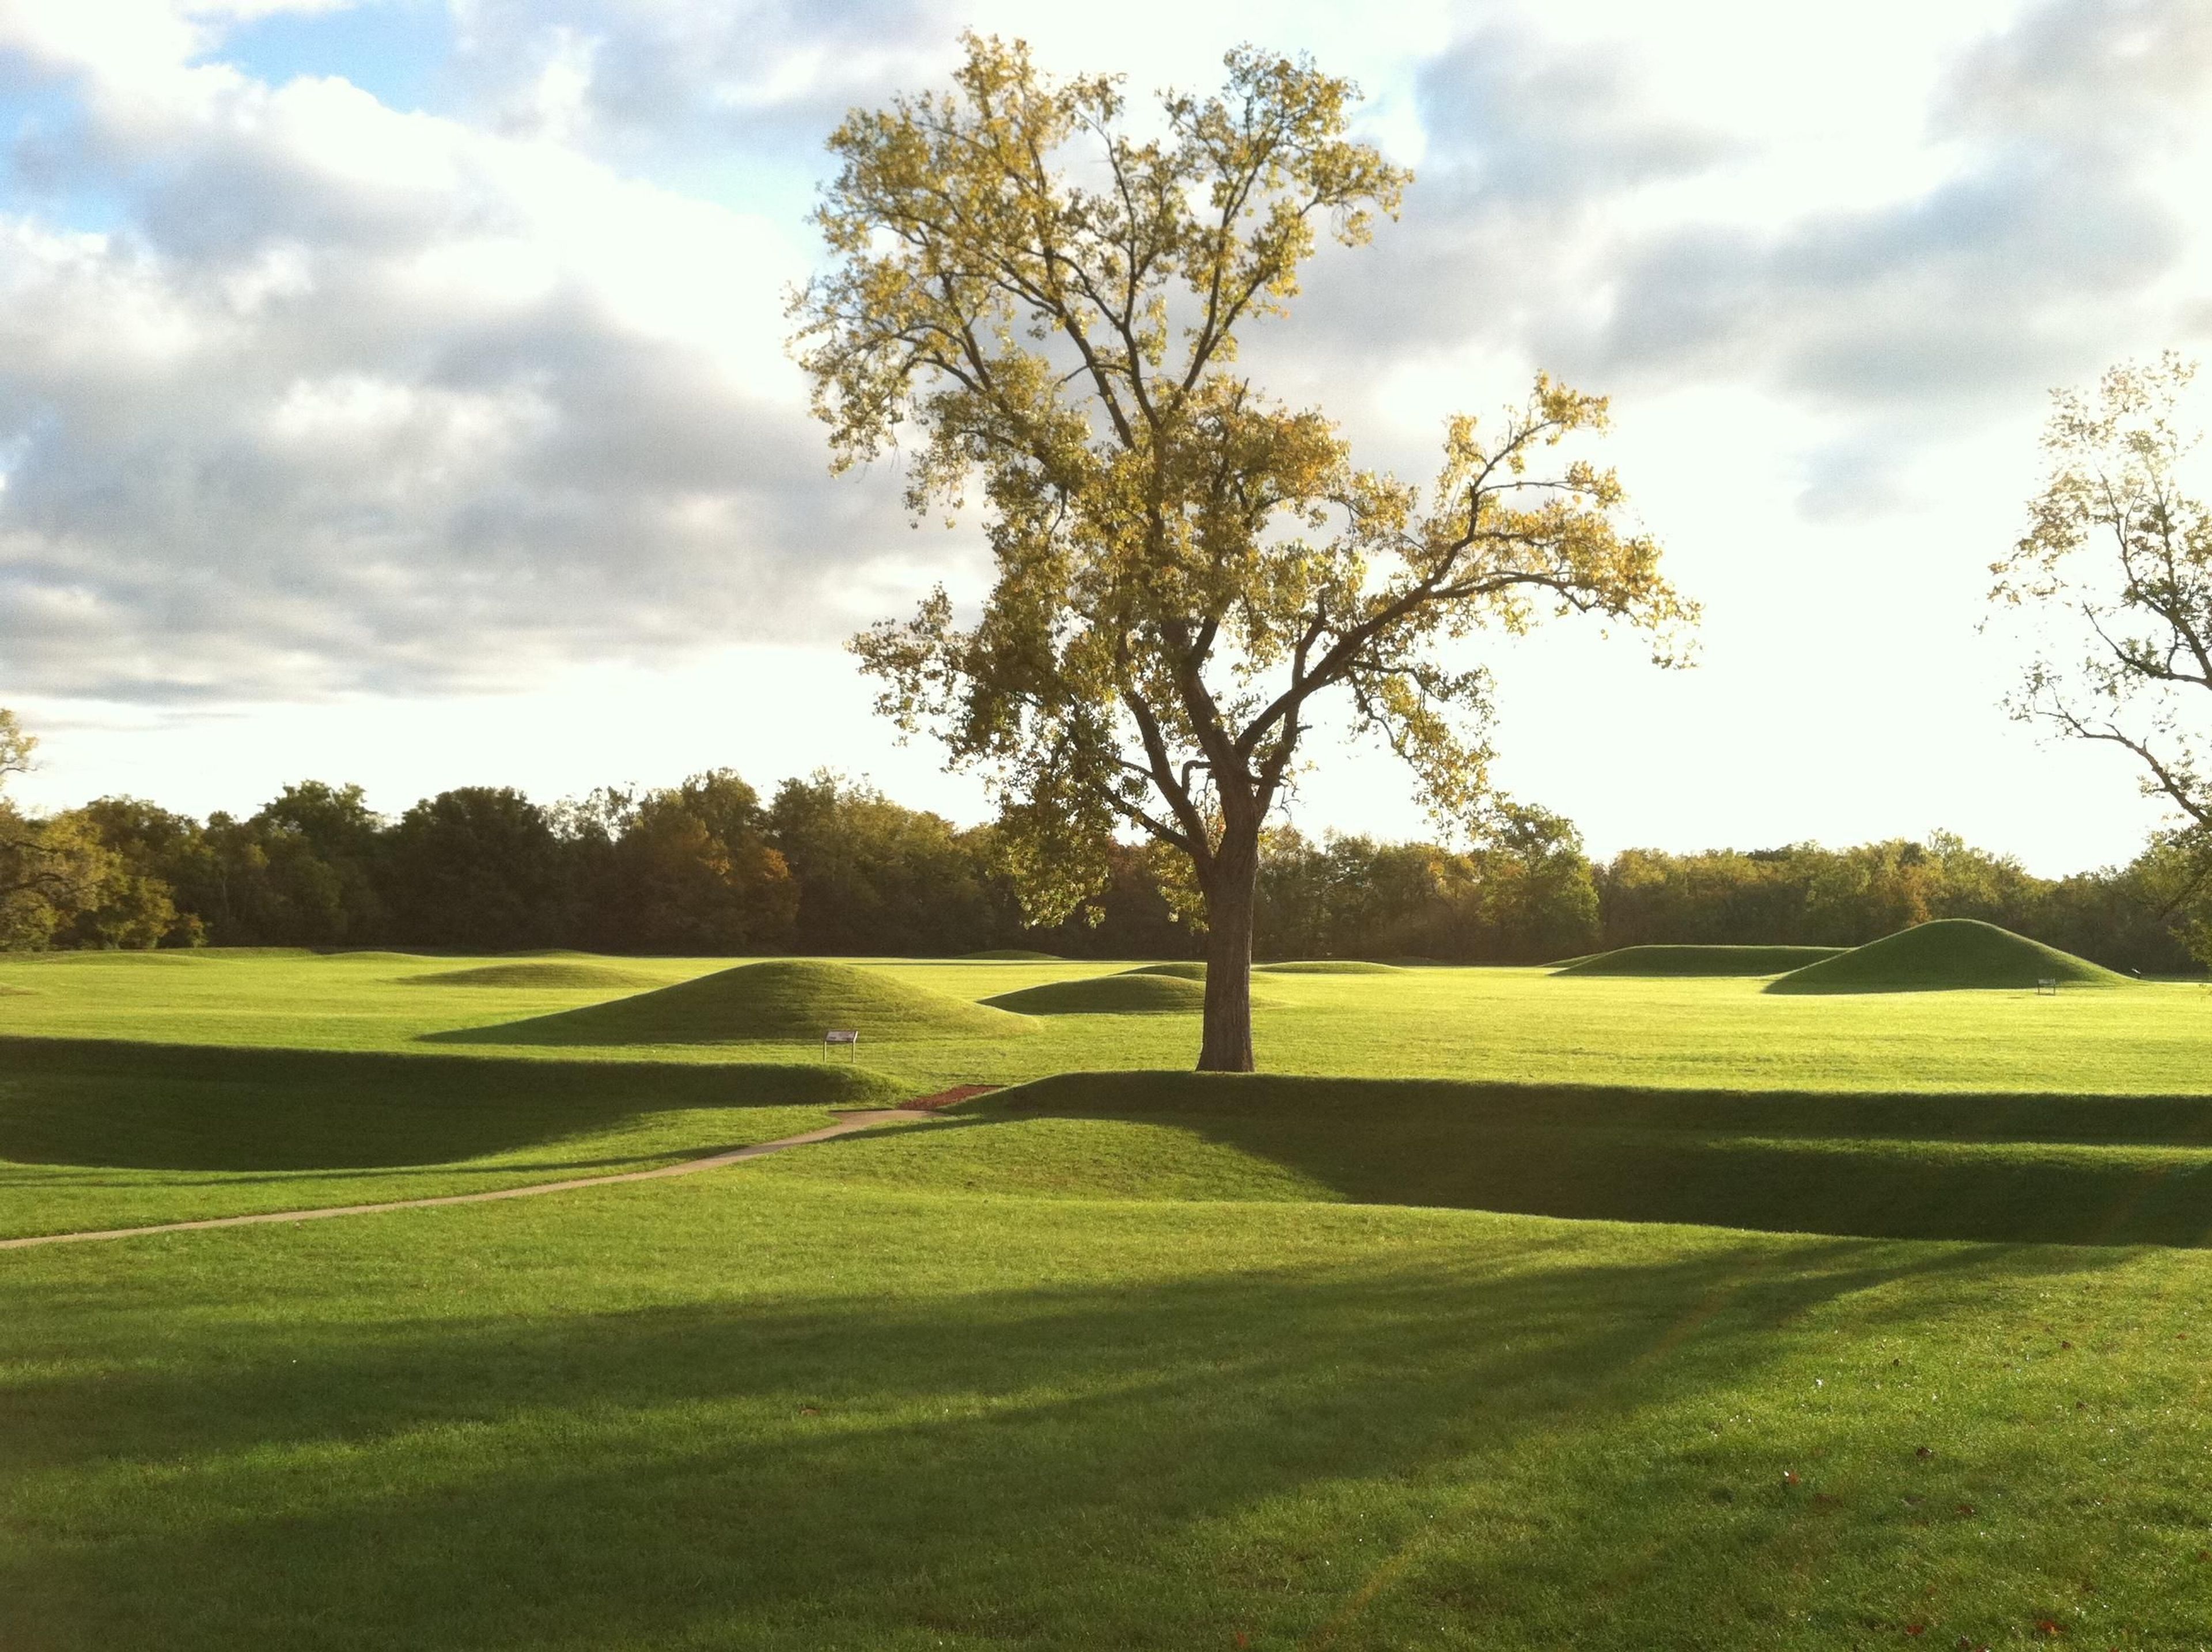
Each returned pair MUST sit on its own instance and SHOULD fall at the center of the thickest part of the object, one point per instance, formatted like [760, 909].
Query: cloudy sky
[396, 391]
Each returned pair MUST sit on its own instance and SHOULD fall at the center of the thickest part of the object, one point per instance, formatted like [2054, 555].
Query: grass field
[1134, 1358]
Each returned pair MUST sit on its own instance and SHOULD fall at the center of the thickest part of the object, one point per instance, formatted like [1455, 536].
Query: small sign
[835, 1036]
[2047, 987]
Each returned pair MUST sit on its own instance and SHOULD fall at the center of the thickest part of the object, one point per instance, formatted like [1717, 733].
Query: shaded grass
[2002, 1167]
[1146, 992]
[94, 1136]
[741, 1412]
[1947, 955]
[1698, 961]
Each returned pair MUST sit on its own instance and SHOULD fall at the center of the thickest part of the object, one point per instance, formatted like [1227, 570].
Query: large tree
[1052, 302]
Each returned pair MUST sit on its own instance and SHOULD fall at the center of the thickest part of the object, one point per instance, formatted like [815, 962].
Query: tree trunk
[1230, 899]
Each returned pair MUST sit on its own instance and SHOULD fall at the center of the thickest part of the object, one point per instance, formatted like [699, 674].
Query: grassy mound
[1181, 970]
[2013, 1168]
[782, 1000]
[1013, 955]
[1331, 967]
[1138, 993]
[562, 977]
[1949, 955]
[1698, 961]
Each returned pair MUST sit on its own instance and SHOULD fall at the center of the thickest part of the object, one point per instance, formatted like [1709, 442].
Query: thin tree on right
[2114, 575]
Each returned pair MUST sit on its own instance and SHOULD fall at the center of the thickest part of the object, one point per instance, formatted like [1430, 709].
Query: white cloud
[359, 398]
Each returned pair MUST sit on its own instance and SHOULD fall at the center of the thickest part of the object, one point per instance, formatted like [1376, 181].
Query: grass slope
[1331, 967]
[2080, 1170]
[1141, 992]
[1697, 960]
[736, 1412]
[560, 977]
[1179, 969]
[781, 1000]
[1947, 955]
[124, 1135]
[1013, 955]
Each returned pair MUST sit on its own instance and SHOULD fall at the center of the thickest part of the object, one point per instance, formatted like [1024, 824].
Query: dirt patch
[951, 1097]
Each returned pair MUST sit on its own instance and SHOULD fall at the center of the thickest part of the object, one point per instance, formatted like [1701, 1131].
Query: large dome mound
[1134, 994]
[1949, 955]
[1698, 960]
[783, 1000]
[1181, 970]
[1011, 954]
[1330, 967]
[558, 977]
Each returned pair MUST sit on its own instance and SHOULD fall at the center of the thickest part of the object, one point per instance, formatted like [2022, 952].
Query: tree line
[825, 865]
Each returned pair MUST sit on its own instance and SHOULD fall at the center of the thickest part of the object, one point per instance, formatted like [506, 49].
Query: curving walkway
[846, 1125]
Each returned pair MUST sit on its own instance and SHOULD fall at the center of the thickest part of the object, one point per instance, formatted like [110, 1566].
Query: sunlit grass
[1133, 1359]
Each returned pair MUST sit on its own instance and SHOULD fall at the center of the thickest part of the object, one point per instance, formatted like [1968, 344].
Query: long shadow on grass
[2034, 1169]
[135, 1106]
[1140, 1461]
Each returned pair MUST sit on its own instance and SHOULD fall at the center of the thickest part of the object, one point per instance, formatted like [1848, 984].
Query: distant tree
[156, 851]
[479, 869]
[690, 870]
[1183, 566]
[874, 876]
[53, 872]
[321, 846]
[1534, 898]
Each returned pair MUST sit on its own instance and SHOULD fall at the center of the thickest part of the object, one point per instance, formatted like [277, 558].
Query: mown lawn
[753, 1411]
[1121, 1358]
[1519, 1026]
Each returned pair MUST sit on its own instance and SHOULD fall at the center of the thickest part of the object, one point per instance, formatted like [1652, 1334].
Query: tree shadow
[1034, 1465]
[134, 1105]
[2008, 1169]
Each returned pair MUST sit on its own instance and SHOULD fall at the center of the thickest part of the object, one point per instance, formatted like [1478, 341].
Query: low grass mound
[1138, 993]
[557, 977]
[2098, 1170]
[1179, 969]
[1949, 955]
[781, 1000]
[1698, 960]
[1331, 967]
[1013, 955]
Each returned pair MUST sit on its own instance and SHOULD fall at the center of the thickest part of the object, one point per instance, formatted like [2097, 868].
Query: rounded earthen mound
[1134, 994]
[557, 977]
[781, 1000]
[1949, 955]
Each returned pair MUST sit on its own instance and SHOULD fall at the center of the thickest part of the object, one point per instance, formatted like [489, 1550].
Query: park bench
[835, 1036]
